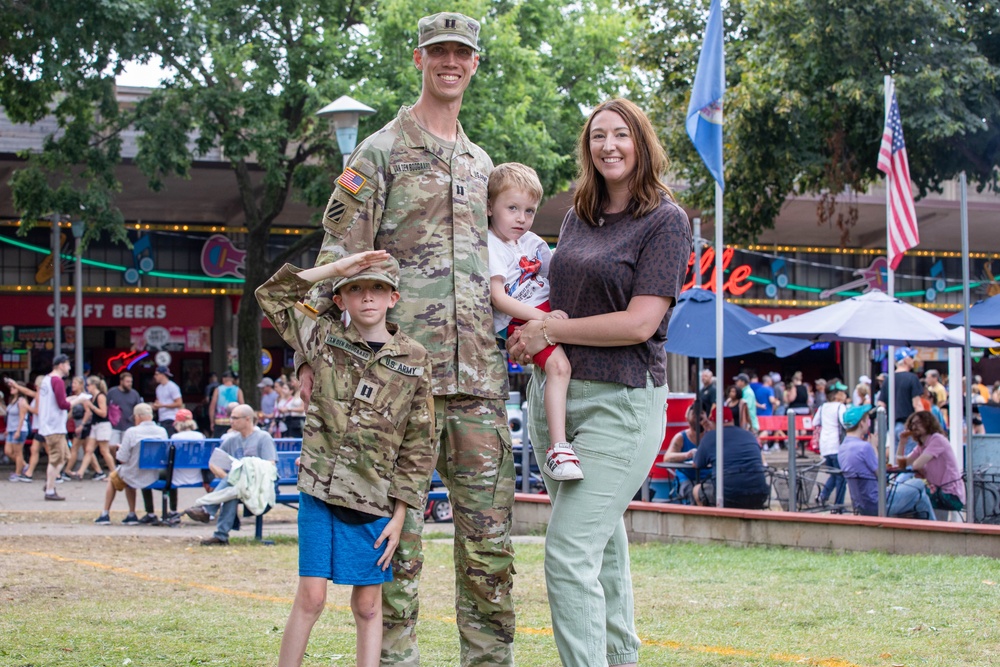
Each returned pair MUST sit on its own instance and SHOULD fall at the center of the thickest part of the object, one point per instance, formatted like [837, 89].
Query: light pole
[345, 112]
[79, 226]
[56, 271]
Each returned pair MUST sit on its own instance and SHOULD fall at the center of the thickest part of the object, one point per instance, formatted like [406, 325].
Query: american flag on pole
[901, 215]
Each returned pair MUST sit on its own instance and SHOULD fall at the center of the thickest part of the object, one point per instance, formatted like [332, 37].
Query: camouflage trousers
[477, 465]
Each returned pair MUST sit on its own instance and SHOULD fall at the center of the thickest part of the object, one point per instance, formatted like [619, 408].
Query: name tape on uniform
[388, 362]
[410, 166]
[348, 347]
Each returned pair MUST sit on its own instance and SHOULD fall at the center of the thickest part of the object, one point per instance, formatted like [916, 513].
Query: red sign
[773, 315]
[736, 284]
[110, 311]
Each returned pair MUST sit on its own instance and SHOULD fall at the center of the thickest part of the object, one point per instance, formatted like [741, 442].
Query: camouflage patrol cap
[448, 27]
[386, 272]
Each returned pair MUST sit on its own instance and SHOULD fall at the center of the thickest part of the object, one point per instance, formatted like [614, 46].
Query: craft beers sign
[735, 283]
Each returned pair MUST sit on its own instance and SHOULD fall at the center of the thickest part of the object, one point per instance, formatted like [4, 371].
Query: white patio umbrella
[878, 319]
[875, 318]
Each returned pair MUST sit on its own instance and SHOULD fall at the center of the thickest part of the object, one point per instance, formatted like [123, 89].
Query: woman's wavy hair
[591, 195]
[927, 420]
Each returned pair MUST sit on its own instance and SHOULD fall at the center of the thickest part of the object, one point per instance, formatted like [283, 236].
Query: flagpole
[704, 126]
[701, 361]
[970, 513]
[719, 359]
[890, 375]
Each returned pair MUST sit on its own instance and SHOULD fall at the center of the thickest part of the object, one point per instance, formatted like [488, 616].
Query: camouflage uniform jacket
[368, 436]
[425, 202]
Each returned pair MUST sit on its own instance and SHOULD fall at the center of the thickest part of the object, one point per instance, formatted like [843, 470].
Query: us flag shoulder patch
[351, 181]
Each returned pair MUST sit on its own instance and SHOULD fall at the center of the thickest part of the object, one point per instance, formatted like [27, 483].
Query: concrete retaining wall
[652, 522]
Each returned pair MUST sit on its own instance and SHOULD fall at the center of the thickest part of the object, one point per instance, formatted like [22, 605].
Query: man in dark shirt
[908, 392]
[126, 398]
[706, 395]
[744, 482]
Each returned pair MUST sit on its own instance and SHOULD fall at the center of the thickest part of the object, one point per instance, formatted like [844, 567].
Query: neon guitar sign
[125, 361]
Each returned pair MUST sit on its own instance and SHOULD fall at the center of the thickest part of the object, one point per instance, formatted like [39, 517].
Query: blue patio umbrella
[985, 314]
[691, 330]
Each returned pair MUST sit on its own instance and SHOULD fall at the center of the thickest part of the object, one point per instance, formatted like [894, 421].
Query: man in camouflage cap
[417, 188]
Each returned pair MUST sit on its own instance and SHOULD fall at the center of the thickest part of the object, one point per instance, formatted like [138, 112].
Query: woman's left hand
[526, 341]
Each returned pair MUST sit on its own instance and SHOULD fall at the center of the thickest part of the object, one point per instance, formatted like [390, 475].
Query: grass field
[100, 601]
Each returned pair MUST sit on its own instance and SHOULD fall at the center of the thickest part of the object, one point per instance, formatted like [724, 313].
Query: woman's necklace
[601, 220]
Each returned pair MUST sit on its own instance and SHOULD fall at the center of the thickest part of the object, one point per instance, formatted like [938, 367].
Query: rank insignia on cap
[351, 181]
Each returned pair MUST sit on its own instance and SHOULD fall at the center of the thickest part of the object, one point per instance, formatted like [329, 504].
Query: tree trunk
[249, 315]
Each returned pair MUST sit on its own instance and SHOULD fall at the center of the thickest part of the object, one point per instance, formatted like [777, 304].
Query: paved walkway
[24, 511]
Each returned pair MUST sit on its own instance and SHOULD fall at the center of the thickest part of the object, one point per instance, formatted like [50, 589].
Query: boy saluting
[367, 447]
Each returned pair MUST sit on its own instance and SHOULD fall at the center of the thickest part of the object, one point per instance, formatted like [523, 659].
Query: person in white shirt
[129, 476]
[53, 407]
[830, 436]
[168, 398]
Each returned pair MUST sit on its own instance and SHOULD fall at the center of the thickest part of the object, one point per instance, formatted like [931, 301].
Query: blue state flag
[704, 115]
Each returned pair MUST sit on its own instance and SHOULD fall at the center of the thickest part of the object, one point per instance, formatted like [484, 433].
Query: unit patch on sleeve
[307, 310]
[335, 211]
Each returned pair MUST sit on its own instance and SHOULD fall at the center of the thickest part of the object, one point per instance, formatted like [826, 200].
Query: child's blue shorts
[334, 550]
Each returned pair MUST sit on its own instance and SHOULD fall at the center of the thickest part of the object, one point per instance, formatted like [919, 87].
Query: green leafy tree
[59, 59]
[247, 78]
[804, 104]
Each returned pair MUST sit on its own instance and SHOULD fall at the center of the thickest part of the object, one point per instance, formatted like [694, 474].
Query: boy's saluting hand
[345, 267]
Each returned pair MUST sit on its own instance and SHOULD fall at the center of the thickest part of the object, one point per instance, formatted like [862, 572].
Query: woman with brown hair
[934, 460]
[622, 255]
[734, 401]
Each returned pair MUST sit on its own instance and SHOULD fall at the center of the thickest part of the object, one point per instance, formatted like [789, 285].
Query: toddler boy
[519, 291]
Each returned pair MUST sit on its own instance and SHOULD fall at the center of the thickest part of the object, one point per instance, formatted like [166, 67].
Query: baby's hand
[559, 315]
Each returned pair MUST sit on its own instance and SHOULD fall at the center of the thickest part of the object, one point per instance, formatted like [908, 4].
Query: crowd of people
[81, 428]
[929, 477]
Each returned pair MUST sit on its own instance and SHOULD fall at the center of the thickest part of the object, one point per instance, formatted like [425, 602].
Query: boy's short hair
[514, 175]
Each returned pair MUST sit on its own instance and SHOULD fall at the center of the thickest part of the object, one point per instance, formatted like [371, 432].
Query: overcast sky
[148, 76]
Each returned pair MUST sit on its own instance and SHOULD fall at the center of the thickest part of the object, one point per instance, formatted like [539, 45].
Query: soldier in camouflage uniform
[417, 188]
[367, 448]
